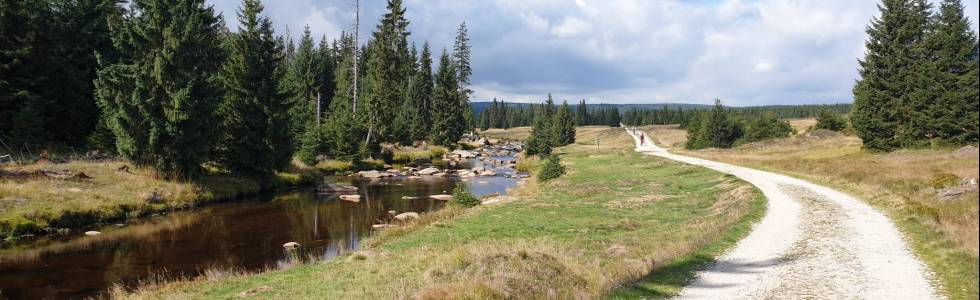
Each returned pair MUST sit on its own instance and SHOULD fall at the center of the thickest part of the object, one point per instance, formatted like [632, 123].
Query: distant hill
[480, 106]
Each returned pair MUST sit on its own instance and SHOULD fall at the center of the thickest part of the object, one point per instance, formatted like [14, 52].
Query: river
[243, 235]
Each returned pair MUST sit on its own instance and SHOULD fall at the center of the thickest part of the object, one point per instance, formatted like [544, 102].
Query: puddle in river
[246, 234]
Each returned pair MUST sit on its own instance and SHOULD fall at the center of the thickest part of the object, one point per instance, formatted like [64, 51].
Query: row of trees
[167, 85]
[667, 116]
[919, 77]
[503, 115]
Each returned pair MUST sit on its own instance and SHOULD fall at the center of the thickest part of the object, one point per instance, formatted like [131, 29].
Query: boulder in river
[351, 198]
[429, 171]
[407, 216]
[373, 174]
[291, 245]
[409, 198]
[442, 197]
[327, 187]
[92, 233]
[464, 154]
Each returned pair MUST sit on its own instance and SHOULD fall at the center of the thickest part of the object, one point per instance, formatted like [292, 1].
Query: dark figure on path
[641, 139]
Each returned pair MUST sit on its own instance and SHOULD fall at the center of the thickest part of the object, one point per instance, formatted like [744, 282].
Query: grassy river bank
[111, 191]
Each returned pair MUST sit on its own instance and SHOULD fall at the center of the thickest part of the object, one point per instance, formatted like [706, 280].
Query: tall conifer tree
[160, 96]
[254, 134]
[887, 78]
[446, 111]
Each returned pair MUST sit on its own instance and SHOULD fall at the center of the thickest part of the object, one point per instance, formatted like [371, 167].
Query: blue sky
[746, 52]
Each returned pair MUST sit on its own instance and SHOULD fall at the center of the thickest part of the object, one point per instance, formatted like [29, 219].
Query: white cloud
[746, 52]
[570, 27]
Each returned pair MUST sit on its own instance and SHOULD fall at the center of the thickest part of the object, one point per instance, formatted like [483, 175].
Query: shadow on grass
[666, 281]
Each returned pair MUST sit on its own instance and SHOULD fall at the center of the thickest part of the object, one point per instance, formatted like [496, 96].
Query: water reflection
[247, 235]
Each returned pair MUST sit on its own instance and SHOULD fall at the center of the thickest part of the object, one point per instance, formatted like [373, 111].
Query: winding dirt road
[813, 242]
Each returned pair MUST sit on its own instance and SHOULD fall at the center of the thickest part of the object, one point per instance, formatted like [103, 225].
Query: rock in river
[351, 198]
[429, 171]
[327, 187]
[291, 245]
[92, 233]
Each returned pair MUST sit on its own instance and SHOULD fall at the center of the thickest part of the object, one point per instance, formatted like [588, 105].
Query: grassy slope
[943, 233]
[29, 206]
[614, 217]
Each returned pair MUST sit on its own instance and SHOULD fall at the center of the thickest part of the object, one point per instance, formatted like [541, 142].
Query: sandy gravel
[813, 242]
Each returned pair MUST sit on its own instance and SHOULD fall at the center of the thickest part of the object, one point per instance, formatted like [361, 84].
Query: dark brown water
[242, 235]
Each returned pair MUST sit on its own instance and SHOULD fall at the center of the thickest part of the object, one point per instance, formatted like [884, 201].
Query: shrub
[551, 169]
[944, 180]
[830, 121]
[766, 127]
[463, 197]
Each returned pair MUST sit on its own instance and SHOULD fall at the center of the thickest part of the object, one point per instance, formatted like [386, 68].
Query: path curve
[813, 242]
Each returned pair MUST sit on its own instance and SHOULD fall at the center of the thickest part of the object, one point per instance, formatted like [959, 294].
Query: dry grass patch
[669, 136]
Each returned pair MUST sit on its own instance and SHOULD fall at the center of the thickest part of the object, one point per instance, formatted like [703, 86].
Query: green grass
[27, 207]
[611, 220]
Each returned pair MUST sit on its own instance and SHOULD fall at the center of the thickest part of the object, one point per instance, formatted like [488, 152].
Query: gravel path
[814, 242]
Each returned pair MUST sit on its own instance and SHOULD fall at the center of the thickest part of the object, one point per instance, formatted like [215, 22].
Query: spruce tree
[254, 136]
[325, 76]
[461, 59]
[882, 93]
[342, 132]
[564, 126]
[383, 93]
[446, 111]
[542, 137]
[420, 96]
[160, 96]
[951, 78]
[24, 70]
[582, 114]
[302, 85]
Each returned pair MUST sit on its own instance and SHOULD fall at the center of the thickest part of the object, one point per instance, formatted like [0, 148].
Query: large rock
[351, 198]
[464, 154]
[291, 245]
[373, 174]
[429, 171]
[442, 197]
[92, 233]
[327, 187]
[406, 216]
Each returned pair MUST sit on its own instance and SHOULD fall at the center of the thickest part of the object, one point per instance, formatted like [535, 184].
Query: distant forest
[500, 114]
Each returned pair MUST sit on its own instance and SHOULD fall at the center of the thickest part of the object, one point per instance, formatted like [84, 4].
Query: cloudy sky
[746, 52]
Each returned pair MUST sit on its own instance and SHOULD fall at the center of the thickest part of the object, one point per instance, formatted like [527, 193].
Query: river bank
[614, 217]
[106, 191]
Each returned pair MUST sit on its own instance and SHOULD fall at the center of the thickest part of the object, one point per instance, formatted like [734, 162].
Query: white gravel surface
[813, 243]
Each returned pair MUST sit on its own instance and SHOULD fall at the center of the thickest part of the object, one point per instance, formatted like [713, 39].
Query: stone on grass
[442, 197]
[406, 216]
